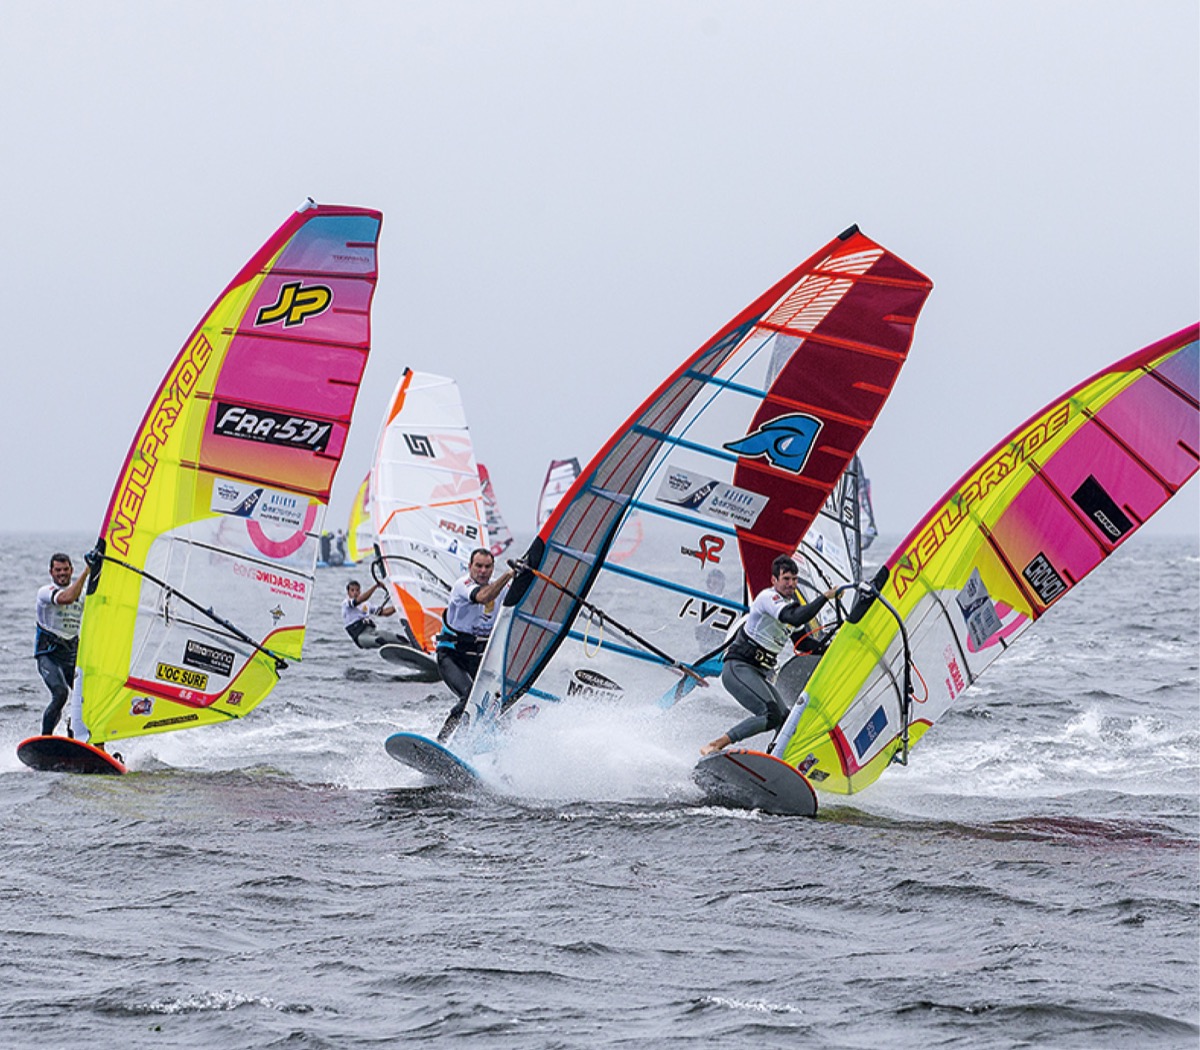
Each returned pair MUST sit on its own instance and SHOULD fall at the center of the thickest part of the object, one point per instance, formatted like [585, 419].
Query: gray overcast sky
[577, 194]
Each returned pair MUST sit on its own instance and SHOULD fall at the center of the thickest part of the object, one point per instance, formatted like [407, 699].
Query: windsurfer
[356, 617]
[467, 624]
[775, 616]
[59, 611]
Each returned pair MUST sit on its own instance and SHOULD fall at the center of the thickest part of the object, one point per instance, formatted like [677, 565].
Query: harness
[358, 626]
[462, 642]
[746, 649]
[60, 650]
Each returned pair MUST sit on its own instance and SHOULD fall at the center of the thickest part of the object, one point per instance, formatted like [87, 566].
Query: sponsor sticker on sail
[714, 499]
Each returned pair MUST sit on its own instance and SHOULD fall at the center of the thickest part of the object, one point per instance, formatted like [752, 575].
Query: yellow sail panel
[359, 534]
[200, 592]
[1026, 524]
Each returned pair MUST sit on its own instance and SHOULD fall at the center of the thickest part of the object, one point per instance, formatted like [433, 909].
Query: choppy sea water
[1032, 879]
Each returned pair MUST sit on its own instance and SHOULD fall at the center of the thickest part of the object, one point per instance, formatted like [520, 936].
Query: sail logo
[785, 442]
[870, 732]
[181, 676]
[420, 445]
[955, 682]
[245, 508]
[586, 682]
[208, 657]
[272, 428]
[1043, 578]
[1098, 505]
[710, 498]
[296, 304]
[709, 550]
[280, 584]
[127, 503]
[966, 504]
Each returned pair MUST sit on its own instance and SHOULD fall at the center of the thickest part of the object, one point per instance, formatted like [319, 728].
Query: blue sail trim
[667, 441]
[728, 384]
[707, 524]
[678, 588]
[625, 650]
[571, 552]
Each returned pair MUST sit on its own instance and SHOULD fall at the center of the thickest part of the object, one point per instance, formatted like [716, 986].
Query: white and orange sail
[427, 503]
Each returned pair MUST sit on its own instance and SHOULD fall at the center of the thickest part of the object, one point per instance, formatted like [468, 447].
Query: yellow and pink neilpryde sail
[1020, 529]
[209, 543]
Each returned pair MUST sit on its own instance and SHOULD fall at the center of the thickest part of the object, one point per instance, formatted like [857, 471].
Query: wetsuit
[750, 660]
[461, 642]
[55, 647]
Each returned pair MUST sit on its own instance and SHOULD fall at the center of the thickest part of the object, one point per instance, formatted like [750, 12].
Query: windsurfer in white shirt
[59, 612]
[775, 615]
[356, 618]
[468, 622]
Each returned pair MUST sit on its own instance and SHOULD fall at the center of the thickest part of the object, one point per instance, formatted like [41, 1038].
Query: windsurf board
[413, 659]
[64, 754]
[755, 780]
[432, 759]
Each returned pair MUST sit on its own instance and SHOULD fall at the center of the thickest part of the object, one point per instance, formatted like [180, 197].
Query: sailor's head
[479, 568]
[784, 573]
[60, 569]
[353, 589]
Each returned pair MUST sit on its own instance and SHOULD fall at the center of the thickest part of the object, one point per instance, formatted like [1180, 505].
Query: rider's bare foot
[715, 746]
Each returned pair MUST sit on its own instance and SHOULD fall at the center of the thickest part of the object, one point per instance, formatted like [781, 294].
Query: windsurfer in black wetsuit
[468, 621]
[59, 611]
[774, 616]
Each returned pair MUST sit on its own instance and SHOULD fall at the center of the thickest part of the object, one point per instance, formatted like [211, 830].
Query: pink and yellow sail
[209, 542]
[1030, 520]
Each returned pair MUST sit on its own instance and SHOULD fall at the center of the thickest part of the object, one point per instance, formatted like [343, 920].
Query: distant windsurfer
[775, 616]
[59, 611]
[467, 623]
[357, 618]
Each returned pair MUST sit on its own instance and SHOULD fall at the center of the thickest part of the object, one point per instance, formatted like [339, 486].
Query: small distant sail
[428, 506]
[560, 476]
[723, 467]
[209, 543]
[830, 554]
[866, 512]
[360, 534]
[1015, 533]
[498, 530]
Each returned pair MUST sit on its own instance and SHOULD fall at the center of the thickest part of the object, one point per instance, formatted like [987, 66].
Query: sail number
[710, 614]
[273, 428]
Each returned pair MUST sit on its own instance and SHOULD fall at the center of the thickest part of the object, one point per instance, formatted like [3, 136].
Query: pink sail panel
[282, 405]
